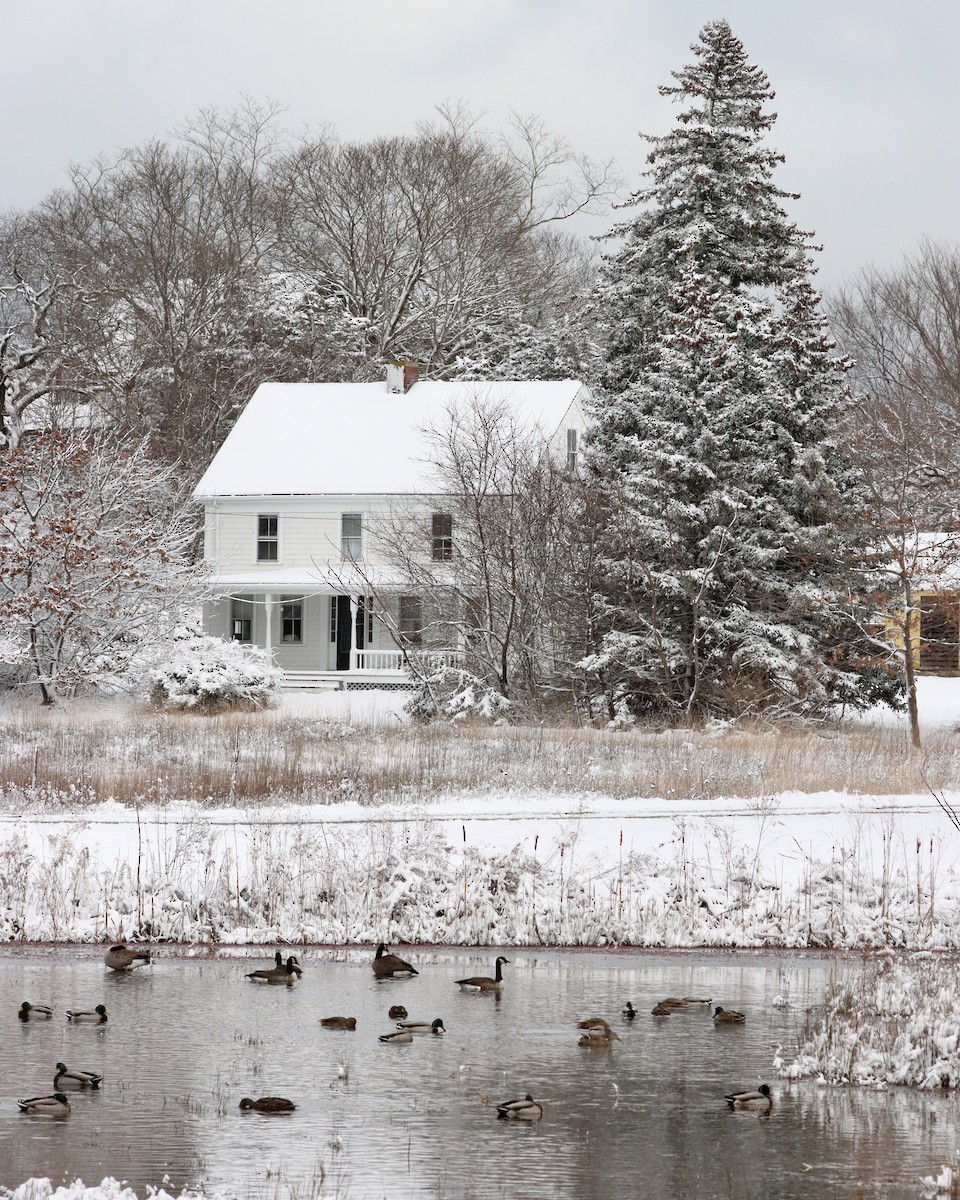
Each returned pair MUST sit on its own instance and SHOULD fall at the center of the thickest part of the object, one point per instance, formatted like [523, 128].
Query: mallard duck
[268, 1104]
[339, 1022]
[99, 1014]
[34, 1012]
[598, 1038]
[662, 1010]
[397, 1012]
[399, 1037]
[77, 1079]
[727, 1016]
[526, 1109]
[435, 1027]
[628, 1011]
[386, 966]
[754, 1101]
[683, 1001]
[297, 969]
[483, 983]
[285, 974]
[598, 1023]
[56, 1105]
[119, 958]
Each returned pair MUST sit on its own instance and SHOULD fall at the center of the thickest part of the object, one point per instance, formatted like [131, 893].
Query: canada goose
[754, 1101]
[56, 1105]
[397, 1012]
[435, 1027]
[386, 966]
[268, 1104]
[399, 1037]
[282, 975]
[339, 1022]
[526, 1109]
[724, 1016]
[34, 1012]
[298, 970]
[99, 1014]
[119, 958]
[78, 1079]
[483, 983]
[629, 1011]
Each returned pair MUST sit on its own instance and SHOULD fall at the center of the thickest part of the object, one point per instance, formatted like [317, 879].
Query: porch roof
[306, 580]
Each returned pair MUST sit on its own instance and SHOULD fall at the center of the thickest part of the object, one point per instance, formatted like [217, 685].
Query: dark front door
[343, 629]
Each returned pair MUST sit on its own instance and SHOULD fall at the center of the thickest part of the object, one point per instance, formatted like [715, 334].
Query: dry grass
[139, 756]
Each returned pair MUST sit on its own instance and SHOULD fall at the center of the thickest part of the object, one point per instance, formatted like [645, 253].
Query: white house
[298, 497]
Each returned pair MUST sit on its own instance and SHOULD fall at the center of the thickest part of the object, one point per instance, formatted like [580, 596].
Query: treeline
[163, 285]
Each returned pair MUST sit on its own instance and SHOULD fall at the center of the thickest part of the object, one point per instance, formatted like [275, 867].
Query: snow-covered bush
[458, 696]
[898, 1023]
[206, 674]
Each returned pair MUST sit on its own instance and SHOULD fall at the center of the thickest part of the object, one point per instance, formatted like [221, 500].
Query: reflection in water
[189, 1037]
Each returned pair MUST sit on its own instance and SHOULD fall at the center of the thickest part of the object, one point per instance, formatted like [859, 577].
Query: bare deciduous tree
[93, 556]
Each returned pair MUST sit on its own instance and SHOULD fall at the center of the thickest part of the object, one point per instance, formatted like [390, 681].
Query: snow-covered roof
[357, 438]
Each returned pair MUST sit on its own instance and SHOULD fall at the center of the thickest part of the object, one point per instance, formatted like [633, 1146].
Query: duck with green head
[434, 1027]
[97, 1015]
[75, 1079]
[398, 1037]
[34, 1012]
[756, 1100]
[56, 1105]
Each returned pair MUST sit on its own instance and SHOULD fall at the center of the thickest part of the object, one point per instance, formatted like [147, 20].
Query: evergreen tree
[735, 551]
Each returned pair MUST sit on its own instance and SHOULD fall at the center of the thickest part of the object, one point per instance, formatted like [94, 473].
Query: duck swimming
[56, 1105]
[99, 1015]
[526, 1109]
[34, 1012]
[727, 1016]
[77, 1079]
[268, 1104]
[759, 1100]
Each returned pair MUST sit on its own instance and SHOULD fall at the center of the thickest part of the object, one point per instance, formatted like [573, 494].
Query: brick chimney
[401, 376]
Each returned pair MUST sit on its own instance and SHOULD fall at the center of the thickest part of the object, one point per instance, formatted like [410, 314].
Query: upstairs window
[268, 538]
[572, 448]
[442, 537]
[351, 536]
[291, 620]
[411, 619]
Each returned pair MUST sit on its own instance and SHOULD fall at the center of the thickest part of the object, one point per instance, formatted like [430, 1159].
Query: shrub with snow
[206, 674]
[458, 696]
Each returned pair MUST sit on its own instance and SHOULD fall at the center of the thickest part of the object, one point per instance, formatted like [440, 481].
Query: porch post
[268, 604]
[353, 633]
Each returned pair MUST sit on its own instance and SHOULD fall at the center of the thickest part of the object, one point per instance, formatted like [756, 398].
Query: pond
[189, 1037]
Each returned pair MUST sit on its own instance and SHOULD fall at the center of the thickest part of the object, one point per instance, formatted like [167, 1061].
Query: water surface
[190, 1036]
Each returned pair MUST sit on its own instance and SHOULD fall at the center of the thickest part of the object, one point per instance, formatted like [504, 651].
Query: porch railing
[393, 660]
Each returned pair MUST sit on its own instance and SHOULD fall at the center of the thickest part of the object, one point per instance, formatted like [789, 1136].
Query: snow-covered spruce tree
[736, 577]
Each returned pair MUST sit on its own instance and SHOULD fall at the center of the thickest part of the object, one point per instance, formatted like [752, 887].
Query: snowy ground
[829, 868]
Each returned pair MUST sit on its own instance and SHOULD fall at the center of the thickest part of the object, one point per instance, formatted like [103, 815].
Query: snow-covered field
[506, 866]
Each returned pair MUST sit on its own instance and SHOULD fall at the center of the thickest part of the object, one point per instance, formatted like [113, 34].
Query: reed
[83, 755]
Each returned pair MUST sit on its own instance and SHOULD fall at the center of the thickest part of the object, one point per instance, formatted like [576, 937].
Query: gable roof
[295, 439]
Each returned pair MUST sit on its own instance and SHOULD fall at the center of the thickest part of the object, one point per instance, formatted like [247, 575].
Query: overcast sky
[868, 91]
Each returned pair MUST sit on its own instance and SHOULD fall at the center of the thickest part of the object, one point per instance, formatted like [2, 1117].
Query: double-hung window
[573, 447]
[351, 537]
[291, 619]
[411, 619]
[268, 538]
[441, 545]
